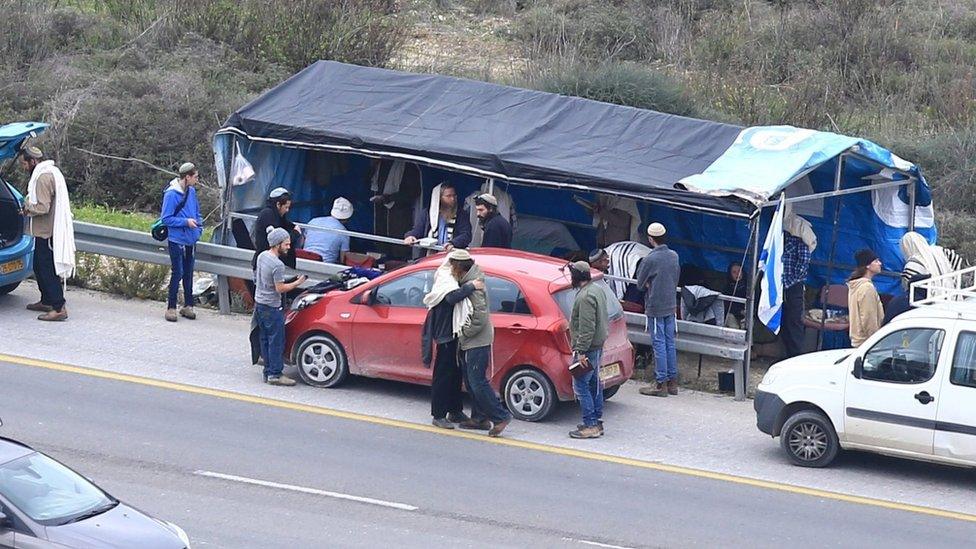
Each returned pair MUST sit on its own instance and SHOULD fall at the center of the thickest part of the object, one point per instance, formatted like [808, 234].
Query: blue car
[16, 247]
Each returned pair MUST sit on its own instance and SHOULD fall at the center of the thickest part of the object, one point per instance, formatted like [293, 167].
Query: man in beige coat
[41, 210]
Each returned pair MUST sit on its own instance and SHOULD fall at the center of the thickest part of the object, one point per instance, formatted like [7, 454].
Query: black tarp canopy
[518, 135]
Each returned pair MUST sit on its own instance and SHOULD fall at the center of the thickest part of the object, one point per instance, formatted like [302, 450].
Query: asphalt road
[239, 474]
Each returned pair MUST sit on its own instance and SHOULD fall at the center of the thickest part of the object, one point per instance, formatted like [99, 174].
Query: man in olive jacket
[475, 339]
[588, 328]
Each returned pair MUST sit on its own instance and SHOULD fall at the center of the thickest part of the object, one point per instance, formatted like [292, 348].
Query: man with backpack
[181, 216]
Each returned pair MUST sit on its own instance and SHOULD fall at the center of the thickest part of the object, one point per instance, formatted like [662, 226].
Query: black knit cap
[865, 257]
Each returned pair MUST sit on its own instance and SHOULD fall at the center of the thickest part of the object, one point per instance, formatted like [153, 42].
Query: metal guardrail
[227, 261]
[210, 258]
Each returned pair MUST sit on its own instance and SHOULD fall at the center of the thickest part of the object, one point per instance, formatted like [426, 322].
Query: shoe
[658, 390]
[283, 381]
[599, 425]
[171, 315]
[442, 423]
[475, 425]
[586, 432]
[54, 316]
[458, 417]
[40, 307]
[187, 312]
[497, 428]
[673, 386]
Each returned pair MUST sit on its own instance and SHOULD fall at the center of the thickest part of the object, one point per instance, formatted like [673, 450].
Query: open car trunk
[11, 221]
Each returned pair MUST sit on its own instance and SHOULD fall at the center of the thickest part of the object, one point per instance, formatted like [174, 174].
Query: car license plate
[609, 371]
[11, 266]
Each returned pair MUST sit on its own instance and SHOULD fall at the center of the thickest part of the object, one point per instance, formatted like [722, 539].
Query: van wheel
[809, 439]
[4, 290]
[322, 361]
[608, 392]
[529, 395]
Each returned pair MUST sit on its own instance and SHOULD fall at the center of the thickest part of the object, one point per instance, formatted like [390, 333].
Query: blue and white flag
[771, 264]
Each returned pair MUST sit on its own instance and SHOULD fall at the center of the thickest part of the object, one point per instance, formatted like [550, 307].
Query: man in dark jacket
[439, 330]
[588, 328]
[659, 273]
[445, 221]
[497, 229]
[274, 214]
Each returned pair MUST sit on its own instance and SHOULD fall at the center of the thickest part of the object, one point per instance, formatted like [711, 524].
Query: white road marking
[596, 543]
[304, 490]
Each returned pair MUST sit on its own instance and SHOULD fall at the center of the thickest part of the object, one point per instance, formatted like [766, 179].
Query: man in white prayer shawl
[49, 222]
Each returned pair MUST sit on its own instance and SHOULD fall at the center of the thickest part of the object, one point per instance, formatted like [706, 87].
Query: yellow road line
[582, 454]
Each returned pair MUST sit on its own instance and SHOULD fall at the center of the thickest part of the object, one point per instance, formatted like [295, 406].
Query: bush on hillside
[619, 83]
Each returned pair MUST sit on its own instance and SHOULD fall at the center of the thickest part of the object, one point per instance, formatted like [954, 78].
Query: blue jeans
[589, 391]
[484, 401]
[181, 264]
[662, 330]
[271, 322]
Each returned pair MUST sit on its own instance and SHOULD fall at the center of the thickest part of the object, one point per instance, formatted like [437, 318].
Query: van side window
[505, 297]
[964, 362]
[905, 356]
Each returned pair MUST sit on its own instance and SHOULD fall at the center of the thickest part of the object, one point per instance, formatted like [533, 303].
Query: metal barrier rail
[227, 261]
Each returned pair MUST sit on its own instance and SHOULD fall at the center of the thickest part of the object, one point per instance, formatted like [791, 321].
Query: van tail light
[559, 331]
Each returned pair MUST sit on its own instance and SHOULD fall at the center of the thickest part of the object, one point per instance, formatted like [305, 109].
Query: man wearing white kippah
[658, 274]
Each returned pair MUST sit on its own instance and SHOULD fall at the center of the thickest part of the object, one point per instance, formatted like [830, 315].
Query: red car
[374, 330]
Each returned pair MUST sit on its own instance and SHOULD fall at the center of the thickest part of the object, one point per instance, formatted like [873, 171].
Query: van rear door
[955, 427]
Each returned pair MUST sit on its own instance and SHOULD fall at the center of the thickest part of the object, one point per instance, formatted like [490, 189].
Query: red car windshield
[566, 297]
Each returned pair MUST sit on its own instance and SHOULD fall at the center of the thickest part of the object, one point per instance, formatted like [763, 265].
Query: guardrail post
[223, 295]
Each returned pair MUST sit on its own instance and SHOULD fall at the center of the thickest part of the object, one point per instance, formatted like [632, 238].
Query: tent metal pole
[742, 377]
[223, 283]
[911, 208]
[836, 193]
[838, 175]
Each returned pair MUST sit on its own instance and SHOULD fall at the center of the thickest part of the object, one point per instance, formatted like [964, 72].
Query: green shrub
[619, 83]
[134, 279]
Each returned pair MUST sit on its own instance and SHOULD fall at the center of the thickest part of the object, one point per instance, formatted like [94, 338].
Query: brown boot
[40, 307]
[497, 428]
[673, 386]
[658, 390]
[54, 316]
[187, 312]
[585, 432]
[476, 425]
[171, 315]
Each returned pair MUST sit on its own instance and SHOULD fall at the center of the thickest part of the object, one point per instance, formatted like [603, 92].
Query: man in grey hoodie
[659, 273]
[477, 335]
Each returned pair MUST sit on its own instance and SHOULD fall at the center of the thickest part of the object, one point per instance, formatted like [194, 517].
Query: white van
[908, 391]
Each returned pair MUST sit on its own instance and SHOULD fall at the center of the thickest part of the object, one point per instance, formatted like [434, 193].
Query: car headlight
[305, 300]
[180, 533]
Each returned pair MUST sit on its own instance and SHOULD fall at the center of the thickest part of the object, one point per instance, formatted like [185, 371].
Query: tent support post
[742, 376]
[911, 207]
[833, 244]
[223, 284]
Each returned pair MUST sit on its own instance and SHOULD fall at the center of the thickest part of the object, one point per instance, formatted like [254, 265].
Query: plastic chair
[833, 297]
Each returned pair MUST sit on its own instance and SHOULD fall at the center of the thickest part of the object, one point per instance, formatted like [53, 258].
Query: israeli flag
[771, 265]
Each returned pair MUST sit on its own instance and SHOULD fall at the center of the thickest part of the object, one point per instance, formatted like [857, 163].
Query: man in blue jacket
[181, 215]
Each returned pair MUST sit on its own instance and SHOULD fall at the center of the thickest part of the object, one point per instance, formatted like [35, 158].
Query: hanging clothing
[616, 220]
